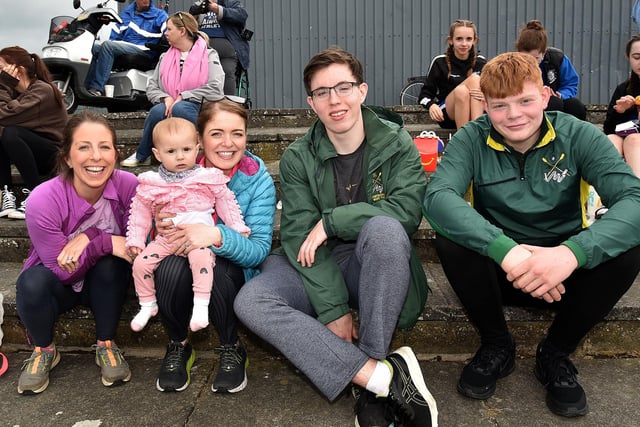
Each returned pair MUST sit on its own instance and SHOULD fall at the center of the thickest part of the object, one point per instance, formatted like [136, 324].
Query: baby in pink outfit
[192, 193]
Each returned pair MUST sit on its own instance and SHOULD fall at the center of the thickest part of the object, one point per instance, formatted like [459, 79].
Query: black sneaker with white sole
[175, 372]
[410, 399]
[232, 372]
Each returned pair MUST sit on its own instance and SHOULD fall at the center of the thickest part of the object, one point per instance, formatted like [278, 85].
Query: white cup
[108, 91]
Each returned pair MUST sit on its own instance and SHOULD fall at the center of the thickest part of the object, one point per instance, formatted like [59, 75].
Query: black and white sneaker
[8, 202]
[565, 396]
[175, 372]
[371, 411]
[232, 372]
[412, 403]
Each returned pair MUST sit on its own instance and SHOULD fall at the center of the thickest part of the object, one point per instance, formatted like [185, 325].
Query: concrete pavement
[278, 395]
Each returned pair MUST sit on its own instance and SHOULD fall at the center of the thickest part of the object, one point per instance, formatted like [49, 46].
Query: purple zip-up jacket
[55, 210]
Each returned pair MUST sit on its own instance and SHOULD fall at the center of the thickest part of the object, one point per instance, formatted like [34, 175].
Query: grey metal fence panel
[396, 39]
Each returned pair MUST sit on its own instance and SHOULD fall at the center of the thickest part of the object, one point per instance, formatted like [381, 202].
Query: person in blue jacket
[224, 22]
[557, 70]
[142, 22]
[222, 127]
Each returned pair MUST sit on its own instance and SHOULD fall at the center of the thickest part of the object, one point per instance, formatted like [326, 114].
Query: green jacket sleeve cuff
[326, 223]
[333, 314]
[579, 253]
[499, 248]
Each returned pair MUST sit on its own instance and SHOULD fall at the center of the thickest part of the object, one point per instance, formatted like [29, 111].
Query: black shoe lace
[488, 357]
[365, 398]
[174, 357]
[230, 357]
[560, 370]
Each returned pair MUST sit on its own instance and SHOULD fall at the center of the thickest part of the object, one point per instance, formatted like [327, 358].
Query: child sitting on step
[180, 186]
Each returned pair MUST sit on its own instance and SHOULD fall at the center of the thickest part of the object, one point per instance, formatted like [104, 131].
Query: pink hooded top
[203, 190]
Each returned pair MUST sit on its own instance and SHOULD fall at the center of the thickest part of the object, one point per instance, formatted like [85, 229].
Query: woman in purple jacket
[76, 223]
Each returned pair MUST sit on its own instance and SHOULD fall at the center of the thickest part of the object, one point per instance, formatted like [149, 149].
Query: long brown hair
[633, 84]
[450, 51]
[34, 67]
[532, 37]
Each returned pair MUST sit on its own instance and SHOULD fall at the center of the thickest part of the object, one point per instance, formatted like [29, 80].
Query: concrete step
[301, 117]
[442, 329]
[267, 143]
[14, 240]
[272, 130]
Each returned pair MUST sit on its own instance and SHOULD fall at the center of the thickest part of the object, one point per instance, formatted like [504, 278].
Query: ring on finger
[69, 258]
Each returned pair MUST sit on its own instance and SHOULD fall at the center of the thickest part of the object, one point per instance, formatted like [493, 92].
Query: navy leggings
[483, 288]
[32, 155]
[41, 297]
[174, 292]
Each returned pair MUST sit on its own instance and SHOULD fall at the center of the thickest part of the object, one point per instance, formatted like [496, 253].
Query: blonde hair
[190, 24]
[506, 74]
[173, 126]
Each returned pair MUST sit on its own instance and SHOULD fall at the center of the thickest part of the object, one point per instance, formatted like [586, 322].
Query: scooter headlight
[54, 52]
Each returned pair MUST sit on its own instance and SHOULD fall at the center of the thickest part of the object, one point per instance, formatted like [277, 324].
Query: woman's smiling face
[92, 156]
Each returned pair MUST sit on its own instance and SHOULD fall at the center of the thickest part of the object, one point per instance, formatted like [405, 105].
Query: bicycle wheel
[409, 94]
[243, 85]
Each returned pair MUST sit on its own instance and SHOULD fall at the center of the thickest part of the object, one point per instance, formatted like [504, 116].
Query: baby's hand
[133, 251]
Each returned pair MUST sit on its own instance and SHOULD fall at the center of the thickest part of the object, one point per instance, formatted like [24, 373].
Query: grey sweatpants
[276, 307]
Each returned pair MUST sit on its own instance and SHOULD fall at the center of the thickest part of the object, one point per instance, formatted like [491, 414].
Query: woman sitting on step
[624, 106]
[32, 116]
[222, 128]
[76, 223]
[186, 75]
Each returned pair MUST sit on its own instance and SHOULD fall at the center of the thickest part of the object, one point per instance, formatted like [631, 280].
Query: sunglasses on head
[246, 103]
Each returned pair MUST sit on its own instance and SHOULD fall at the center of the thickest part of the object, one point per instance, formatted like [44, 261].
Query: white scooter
[68, 56]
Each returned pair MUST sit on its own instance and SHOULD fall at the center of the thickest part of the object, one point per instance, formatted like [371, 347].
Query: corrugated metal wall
[396, 39]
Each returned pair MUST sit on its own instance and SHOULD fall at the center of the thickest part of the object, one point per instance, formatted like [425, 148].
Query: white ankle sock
[380, 379]
[200, 315]
[147, 311]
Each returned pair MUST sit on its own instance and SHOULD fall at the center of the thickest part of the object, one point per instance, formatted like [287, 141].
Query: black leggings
[32, 155]
[228, 60]
[41, 298]
[174, 292]
[571, 106]
[483, 289]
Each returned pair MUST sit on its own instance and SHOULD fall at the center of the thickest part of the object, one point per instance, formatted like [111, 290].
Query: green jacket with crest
[536, 198]
[395, 185]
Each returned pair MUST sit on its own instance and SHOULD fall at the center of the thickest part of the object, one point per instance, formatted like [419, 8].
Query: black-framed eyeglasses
[179, 15]
[341, 89]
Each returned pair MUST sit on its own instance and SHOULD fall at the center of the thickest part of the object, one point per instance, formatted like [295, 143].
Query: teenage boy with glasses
[351, 198]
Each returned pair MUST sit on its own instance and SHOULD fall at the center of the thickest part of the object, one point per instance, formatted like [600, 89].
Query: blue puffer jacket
[256, 195]
[140, 28]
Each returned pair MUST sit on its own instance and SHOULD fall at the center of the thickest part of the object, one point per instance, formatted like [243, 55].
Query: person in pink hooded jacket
[184, 187]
